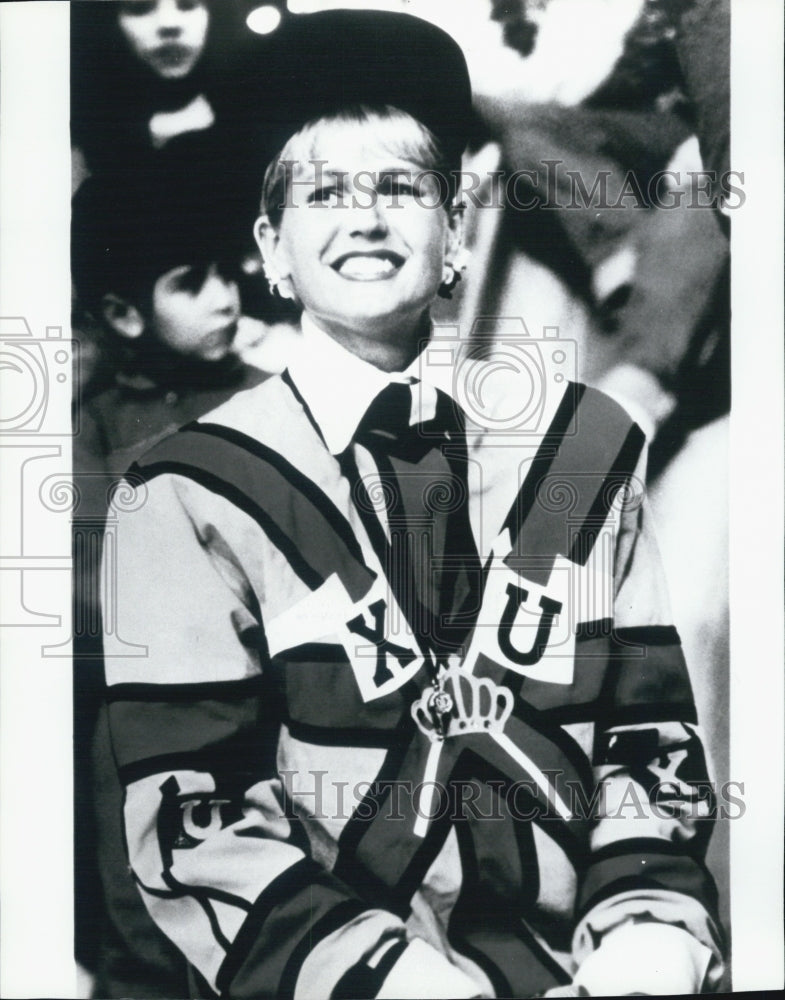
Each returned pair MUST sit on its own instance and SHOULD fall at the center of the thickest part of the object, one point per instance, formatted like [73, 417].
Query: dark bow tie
[422, 470]
[387, 424]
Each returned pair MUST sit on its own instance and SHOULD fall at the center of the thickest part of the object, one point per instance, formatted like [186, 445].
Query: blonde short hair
[414, 140]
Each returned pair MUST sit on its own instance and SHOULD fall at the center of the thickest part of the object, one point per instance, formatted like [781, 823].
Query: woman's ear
[266, 238]
[275, 270]
[122, 316]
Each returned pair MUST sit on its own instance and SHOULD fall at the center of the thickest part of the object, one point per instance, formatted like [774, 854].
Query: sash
[509, 697]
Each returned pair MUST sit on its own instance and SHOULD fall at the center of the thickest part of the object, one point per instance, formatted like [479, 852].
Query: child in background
[144, 72]
[155, 261]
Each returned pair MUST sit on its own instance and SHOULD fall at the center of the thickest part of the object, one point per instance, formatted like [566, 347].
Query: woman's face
[168, 36]
[360, 241]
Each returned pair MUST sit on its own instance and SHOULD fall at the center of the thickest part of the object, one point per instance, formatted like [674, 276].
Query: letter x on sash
[391, 851]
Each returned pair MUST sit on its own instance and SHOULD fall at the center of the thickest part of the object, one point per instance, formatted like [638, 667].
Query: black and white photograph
[392, 498]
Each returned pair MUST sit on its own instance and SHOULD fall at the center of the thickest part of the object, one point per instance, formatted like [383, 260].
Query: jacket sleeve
[217, 854]
[647, 906]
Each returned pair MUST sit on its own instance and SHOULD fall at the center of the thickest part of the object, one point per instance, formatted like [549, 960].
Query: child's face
[195, 312]
[168, 36]
[363, 249]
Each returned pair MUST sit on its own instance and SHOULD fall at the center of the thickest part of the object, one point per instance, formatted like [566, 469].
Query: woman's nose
[369, 220]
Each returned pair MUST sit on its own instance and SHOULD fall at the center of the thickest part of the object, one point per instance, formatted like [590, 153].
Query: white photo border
[36, 850]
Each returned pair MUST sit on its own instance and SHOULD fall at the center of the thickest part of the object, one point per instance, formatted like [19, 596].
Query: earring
[274, 284]
[450, 278]
[452, 273]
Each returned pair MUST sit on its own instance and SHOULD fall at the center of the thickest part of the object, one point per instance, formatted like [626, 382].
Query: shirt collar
[338, 387]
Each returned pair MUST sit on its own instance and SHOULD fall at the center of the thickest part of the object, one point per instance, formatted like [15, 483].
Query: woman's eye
[395, 185]
[325, 196]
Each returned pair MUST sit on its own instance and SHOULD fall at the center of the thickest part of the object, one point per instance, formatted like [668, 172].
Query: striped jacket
[294, 822]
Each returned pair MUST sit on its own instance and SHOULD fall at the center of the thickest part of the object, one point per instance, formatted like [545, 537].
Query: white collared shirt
[339, 387]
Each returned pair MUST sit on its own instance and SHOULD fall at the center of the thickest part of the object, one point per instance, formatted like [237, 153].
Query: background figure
[167, 115]
[155, 260]
[149, 73]
[144, 71]
[639, 248]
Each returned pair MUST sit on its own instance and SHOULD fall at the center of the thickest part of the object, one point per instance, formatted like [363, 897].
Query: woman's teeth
[366, 268]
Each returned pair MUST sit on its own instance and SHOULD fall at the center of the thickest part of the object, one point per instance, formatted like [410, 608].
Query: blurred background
[613, 115]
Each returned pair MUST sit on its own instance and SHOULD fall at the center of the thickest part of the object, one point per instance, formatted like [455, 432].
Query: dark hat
[320, 63]
[177, 206]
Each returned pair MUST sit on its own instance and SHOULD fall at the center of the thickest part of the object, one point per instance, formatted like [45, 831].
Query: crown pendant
[458, 702]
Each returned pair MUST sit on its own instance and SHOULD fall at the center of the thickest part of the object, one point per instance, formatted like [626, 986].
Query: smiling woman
[409, 659]
[363, 237]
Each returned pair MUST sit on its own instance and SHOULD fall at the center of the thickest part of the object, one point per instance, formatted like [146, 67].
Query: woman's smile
[370, 265]
[361, 245]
